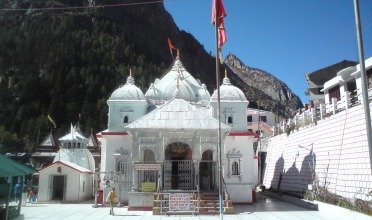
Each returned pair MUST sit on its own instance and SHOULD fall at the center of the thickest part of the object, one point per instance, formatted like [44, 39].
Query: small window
[249, 118]
[229, 120]
[126, 119]
[235, 168]
[263, 118]
[69, 145]
[78, 145]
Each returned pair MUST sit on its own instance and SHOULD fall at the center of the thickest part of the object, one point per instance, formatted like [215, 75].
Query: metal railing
[311, 116]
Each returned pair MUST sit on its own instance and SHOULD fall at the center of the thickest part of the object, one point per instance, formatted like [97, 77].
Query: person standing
[17, 191]
[111, 199]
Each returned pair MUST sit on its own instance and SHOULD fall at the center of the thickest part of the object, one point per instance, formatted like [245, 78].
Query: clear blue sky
[287, 38]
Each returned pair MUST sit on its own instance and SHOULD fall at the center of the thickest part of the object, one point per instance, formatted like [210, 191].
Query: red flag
[219, 20]
[221, 13]
[171, 46]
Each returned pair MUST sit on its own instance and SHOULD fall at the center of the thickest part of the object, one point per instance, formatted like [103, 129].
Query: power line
[90, 6]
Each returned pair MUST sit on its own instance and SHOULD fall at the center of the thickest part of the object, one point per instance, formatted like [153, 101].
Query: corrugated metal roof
[178, 114]
[9, 167]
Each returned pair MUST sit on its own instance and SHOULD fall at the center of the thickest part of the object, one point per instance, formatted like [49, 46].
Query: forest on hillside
[63, 64]
[59, 67]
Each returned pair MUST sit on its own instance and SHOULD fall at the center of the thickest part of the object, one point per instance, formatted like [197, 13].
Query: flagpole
[219, 146]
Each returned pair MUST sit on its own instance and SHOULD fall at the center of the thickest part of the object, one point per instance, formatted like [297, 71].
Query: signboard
[179, 202]
[148, 187]
[147, 166]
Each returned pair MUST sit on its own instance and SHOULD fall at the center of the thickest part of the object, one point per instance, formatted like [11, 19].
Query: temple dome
[203, 93]
[178, 75]
[229, 92]
[128, 91]
[152, 92]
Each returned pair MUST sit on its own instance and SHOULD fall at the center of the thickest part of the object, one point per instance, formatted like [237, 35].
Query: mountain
[258, 85]
[65, 63]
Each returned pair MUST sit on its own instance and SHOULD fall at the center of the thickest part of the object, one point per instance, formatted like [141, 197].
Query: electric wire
[90, 6]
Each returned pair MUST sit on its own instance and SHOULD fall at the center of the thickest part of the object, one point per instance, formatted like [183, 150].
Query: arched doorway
[207, 171]
[178, 167]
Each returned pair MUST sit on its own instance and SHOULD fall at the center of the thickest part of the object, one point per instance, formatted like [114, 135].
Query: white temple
[167, 139]
[69, 177]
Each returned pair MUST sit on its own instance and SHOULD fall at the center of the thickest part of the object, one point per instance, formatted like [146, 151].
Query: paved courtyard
[266, 209]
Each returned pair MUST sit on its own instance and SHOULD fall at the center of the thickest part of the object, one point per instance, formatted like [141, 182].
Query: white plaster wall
[341, 156]
[117, 109]
[111, 143]
[236, 109]
[86, 179]
[240, 188]
[73, 188]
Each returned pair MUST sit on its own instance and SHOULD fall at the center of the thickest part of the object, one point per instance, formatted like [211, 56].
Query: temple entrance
[207, 170]
[178, 167]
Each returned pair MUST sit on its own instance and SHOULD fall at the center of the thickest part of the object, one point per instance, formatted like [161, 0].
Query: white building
[65, 181]
[69, 177]
[167, 139]
[263, 120]
[346, 87]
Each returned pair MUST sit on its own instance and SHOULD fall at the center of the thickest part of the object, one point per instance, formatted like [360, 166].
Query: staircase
[209, 204]
[206, 203]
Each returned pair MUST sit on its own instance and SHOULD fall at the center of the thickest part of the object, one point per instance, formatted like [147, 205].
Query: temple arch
[178, 167]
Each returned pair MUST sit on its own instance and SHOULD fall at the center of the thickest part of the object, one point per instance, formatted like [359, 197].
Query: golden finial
[130, 71]
[225, 73]
[178, 53]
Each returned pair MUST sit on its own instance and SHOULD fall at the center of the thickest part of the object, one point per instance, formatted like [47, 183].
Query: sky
[287, 38]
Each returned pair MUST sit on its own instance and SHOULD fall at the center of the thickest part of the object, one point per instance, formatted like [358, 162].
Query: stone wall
[336, 146]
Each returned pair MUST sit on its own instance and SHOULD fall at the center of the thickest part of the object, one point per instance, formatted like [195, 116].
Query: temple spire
[178, 54]
[177, 92]
[130, 79]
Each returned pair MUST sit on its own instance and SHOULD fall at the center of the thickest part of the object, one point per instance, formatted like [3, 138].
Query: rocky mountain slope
[66, 63]
[259, 85]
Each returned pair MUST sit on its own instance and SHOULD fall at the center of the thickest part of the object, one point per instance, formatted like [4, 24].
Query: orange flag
[171, 46]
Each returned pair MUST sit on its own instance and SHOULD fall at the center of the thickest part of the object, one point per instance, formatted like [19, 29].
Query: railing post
[334, 105]
[347, 100]
[304, 117]
[312, 112]
[322, 110]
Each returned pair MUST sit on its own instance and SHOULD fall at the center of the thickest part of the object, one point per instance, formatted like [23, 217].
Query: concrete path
[266, 209]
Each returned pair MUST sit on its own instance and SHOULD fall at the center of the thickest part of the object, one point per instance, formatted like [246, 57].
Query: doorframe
[63, 187]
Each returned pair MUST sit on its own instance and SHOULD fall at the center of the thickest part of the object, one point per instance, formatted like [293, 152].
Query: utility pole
[364, 80]
[259, 143]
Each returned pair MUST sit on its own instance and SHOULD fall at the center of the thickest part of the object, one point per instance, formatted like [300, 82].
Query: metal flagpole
[218, 114]
[259, 142]
[364, 80]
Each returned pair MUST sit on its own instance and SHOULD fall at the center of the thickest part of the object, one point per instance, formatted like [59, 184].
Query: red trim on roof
[61, 162]
[113, 133]
[244, 133]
